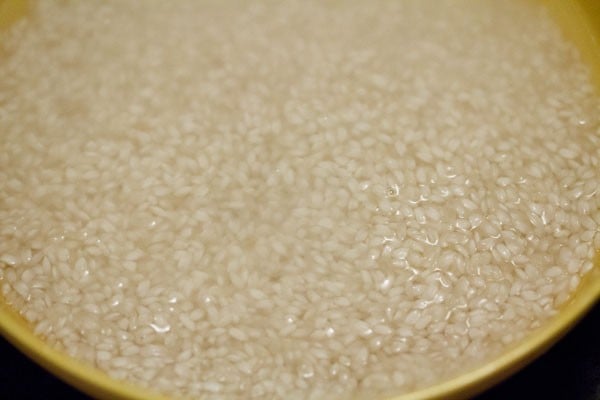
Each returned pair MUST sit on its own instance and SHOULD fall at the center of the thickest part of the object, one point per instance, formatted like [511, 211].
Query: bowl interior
[580, 20]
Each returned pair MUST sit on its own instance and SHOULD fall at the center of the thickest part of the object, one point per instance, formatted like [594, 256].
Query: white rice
[293, 199]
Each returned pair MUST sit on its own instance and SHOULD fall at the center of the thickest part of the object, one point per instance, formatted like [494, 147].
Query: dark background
[570, 371]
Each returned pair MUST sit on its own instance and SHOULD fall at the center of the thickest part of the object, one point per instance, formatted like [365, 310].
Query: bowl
[580, 20]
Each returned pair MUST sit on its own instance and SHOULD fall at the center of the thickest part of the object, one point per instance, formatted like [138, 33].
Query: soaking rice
[293, 199]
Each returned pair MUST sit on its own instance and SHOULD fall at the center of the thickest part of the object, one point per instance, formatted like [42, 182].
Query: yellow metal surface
[11, 11]
[580, 20]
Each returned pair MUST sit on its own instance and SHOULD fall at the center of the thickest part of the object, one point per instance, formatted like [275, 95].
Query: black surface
[570, 371]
